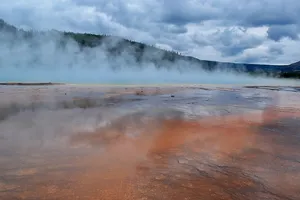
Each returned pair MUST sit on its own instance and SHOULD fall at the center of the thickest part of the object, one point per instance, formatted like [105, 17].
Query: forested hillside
[143, 53]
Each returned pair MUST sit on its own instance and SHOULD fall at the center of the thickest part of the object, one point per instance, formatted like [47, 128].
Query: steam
[37, 133]
[43, 59]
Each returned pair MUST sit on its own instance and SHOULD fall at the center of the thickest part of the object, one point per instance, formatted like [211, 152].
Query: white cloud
[225, 30]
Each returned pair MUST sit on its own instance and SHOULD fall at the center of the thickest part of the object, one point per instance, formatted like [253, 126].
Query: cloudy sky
[252, 31]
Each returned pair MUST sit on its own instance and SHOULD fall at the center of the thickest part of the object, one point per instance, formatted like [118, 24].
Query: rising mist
[53, 57]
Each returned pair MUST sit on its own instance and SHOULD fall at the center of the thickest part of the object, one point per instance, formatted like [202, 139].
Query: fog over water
[42, 59]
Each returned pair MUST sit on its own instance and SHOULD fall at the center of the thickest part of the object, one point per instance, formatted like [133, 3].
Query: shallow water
[151, 143]
[131, 75]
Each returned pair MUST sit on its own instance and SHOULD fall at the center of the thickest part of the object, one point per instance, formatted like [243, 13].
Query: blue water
[130, 76]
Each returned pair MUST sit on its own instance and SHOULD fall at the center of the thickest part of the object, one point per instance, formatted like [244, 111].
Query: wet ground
[171, 142]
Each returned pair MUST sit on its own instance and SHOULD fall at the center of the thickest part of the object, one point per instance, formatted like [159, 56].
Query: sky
[248, 31]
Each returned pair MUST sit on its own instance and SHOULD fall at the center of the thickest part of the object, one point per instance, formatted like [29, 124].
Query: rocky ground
[158, 142]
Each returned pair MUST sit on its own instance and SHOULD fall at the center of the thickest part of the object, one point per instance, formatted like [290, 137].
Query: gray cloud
[276, 50]
[184, 12]
[278, 32]
[235, 42]
[225, 30]
[229, 41]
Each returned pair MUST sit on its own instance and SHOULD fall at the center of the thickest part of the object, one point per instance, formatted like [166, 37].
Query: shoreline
[29, 83]
[143, 85]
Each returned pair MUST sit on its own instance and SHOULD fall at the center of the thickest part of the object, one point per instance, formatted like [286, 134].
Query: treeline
[292, 74]
[116, 46]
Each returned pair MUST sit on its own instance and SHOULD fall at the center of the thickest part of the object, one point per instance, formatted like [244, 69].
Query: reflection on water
[154, 155]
